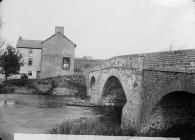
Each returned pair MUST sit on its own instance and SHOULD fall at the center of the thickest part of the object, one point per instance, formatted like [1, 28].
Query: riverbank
[71, 85]
[86, 126]
[40, 113]
[74, 91]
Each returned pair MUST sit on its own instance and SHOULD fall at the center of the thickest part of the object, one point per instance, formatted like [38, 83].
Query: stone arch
[172, 95]
[164, 90]
[174, 86]
[175, 111]
[154, 94]
[117, 74]
[92, 81]
[113, 92]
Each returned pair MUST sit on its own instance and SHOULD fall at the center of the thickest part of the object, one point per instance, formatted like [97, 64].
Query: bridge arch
[118, 75]
[172, 113]
[113, 92]
[159, 90]
[165, 103]
[173, 87]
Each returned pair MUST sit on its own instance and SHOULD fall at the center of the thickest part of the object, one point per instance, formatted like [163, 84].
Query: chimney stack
[20, 38]
[59, 29]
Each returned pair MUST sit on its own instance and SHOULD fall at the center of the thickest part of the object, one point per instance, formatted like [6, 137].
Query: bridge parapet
[176, 61]
[180, 60]
[171, 69]
[128, 62]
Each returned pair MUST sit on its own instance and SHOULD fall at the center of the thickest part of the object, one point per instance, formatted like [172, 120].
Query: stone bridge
[138, 82]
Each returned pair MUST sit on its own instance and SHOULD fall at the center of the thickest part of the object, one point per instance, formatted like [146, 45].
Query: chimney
[59, 29]
[20, 38]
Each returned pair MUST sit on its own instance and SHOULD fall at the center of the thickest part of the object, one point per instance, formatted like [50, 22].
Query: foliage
[17, 82]
[78, 69]
[82, 89]
[86, 126]
[10, 61]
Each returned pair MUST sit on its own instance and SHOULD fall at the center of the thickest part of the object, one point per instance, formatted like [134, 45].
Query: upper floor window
[30, 51]
[66, 63]
[30, 61]
[29, 73]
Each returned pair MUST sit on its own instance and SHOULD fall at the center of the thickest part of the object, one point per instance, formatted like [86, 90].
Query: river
[38, 114]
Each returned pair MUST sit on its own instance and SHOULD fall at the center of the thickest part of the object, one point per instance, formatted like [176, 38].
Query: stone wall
[172, 116]
[128, 70]
[66, 85]
[62, 85]
[53, 51]
[75, 78]
[145, 78]
[123, 68]
[36, 60]
[179, 58]
[157, 84]
[129, 61]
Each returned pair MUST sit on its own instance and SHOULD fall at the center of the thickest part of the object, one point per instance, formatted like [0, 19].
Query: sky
[103, 28]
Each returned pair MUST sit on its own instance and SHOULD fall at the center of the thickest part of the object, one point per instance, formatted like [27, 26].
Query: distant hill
[83, 63]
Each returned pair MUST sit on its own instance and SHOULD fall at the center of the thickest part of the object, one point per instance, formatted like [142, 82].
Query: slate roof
[23, 43]
[36, 44]
[62, 35]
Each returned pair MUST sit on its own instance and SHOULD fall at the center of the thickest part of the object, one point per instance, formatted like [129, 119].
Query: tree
[10, 61]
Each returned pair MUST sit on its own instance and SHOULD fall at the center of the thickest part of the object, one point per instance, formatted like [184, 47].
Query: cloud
[171, 3]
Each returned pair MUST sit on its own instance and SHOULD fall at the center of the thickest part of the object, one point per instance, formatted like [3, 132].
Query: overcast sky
[103, 28]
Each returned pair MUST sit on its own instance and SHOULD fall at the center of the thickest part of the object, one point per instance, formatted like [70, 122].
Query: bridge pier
[131, 113]
[130, 118]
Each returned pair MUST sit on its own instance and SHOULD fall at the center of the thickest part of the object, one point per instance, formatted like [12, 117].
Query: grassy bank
[86, 126]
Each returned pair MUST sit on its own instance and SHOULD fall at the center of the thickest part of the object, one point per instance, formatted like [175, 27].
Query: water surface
[38, 114]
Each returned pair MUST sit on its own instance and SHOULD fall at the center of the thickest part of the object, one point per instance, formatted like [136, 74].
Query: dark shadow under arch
[92, 82]
[173, 116]
[113, 96]
[176, 98]
[113, 92]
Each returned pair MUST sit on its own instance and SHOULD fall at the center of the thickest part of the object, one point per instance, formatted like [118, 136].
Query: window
[30, 51]
[29, 73]
[30, 61]
[66, 63]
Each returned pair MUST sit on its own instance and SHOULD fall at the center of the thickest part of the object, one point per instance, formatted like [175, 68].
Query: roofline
[61, 34]
[30, 47]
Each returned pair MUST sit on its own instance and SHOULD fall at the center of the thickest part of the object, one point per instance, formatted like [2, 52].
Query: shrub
[17, 82]
[82, 89]
[86, 126]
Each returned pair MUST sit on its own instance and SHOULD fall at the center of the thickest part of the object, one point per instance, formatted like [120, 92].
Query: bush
[86, 126]
[17, 82]
[82, 89]
[24, 76]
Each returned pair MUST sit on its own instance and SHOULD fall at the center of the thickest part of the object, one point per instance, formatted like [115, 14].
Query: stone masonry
[145, 79]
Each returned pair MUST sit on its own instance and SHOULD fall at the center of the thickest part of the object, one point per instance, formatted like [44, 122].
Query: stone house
[51, 57]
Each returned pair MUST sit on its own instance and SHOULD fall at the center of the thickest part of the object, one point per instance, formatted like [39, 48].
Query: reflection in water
[109, 115]
[38, 114]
